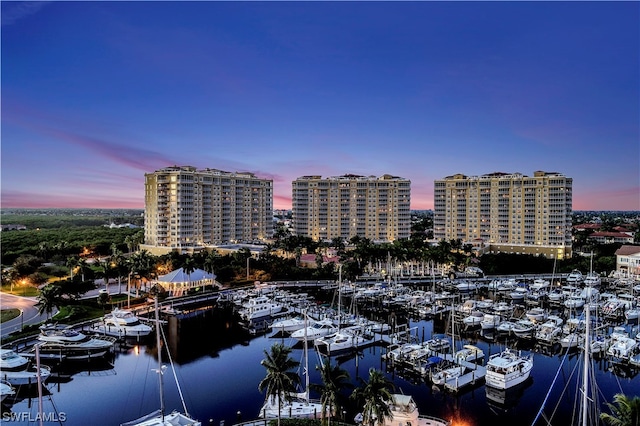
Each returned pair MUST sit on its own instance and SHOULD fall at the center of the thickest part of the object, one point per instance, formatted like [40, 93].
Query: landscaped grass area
[20, 290]
[8, 314]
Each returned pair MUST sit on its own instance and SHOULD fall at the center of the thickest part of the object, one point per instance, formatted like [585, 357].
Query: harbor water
[217, 366]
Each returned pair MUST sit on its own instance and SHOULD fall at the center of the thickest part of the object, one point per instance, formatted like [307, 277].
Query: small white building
[628, 260]
[177, 282]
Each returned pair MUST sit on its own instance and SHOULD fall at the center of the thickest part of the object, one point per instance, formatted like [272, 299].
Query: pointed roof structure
[180, 276]
[178, 281]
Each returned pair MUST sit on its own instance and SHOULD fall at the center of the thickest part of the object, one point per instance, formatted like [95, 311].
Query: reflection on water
[505, 399]
[218, 367]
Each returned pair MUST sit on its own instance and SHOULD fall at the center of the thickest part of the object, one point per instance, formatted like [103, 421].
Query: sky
[96, 94]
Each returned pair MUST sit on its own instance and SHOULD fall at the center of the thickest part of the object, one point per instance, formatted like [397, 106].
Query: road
[28, 312]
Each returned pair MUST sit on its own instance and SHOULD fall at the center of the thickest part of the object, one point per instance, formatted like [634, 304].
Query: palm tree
[211, 261]
[50, 297]
[374, 394]
[119, 263]
[107, 270]
[142, 264]
[72, 262]
[281, 379]
[625, 411]
[188, 267]
[334, 380]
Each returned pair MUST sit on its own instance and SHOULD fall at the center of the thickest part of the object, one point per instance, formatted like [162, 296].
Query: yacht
[63, 342]
[490, 321]
[350, 338]
[319, 328]
[448, 374]
[592, 279]
[537, 314]
[574, 277]
[524, 328]
[622, 347]
[550, 330]
[259, 307]
[572, 340]
[469, 353]
[122, 323]
[473, 320]
[288, 325]
[17, 370]
[507, 369]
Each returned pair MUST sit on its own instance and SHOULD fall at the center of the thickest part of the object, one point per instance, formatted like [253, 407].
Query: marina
[217, 358]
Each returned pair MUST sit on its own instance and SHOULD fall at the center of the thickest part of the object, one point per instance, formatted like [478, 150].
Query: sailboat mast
[306, 358]
[585, 367]
[158, 342]
[339, 295]
[39, 377]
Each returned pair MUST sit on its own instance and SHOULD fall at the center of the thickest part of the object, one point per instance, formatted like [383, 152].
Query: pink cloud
[18, 199]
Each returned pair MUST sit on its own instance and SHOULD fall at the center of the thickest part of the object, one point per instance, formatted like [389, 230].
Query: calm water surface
[218, 367]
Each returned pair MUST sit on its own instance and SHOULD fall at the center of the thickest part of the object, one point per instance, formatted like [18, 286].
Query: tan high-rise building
[506, 212]
[377, 208]
[188, 209]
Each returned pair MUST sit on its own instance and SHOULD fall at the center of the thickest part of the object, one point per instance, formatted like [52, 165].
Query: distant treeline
[55, 245]
[56, 221]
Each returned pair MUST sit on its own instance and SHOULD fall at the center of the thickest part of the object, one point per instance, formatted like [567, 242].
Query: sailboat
[587, 390]
[158, 417]
[299, 404]
[456, 370]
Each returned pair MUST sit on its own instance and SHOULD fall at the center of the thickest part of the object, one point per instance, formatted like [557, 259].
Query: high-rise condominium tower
[506, 212]
[186, 208]
[371, 207]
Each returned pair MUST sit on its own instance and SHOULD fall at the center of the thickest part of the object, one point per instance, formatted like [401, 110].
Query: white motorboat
[490, 321]
[288, 325]
[401, 352]
[537, 314]
[466, 286]
[506, 327]
[540, 284]
[469, 353]
[550, 330]
[63, 342]
[404, 411]
[592, 279]
[319, 328]
[507, 369]
[473, 320]
[632, 314]
[572, 340]
[524, 329]
[519, 294]
[574, 277]
[259, 307]
[17, 370]
[622, 347]
[438, 344]
[448, 374]
[350, 338]
[122, 323]
[574, 302]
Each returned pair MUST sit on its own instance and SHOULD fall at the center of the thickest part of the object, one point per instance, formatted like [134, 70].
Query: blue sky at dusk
[96, 94]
